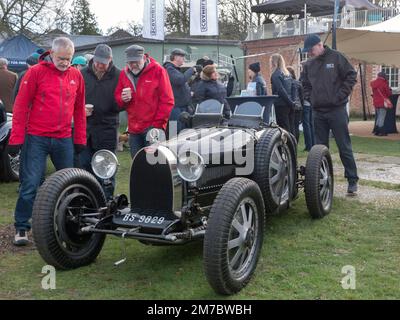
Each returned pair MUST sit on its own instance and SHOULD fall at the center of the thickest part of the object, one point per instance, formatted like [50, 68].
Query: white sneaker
[21, 239]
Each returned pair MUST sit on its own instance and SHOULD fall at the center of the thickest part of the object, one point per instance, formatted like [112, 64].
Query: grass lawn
[301, 258]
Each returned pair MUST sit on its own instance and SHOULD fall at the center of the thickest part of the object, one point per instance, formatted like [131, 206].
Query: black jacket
[298, 94]
[102, 126]
[328, 80]
[211, 89]
[282, 87]
[179, 83]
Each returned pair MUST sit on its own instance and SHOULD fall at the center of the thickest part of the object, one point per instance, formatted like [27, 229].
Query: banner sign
[204, 18]
[153, 19]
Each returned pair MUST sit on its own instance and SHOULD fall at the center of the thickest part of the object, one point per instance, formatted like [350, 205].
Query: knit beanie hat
[32, 59]
[255, 67]
[383, 75]
[208, 63]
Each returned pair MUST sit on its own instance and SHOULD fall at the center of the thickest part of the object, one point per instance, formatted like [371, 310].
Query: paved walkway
[364, 129]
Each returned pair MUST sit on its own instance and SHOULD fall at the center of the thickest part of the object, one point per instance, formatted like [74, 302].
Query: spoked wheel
[234, 236]
[58, 218]
[279, 173]
[10, 165]
[275, 170]
[319, 182]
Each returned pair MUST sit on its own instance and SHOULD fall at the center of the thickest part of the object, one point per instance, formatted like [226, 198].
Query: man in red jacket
[144, 90]
[51, 94]
[380, 92]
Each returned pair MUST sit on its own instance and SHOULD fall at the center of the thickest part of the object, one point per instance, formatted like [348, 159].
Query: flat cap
[134, 53]
[178, 52]
[102, 54]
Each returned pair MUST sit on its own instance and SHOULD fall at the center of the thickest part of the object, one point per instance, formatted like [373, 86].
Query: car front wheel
[319, 182]
[58, 216]
[234, 236]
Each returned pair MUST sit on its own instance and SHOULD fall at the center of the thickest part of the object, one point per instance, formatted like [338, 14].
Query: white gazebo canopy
[376, 44]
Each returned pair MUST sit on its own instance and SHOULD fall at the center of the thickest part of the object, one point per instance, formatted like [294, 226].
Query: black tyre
[275, 170]
[9, 167]
[319, 182]
[56, 226]
[234, 236]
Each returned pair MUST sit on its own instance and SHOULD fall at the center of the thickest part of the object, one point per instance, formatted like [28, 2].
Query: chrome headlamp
[104, 164]
[190, 166]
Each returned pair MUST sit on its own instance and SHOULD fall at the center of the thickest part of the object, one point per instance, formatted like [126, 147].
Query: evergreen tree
[83, 21]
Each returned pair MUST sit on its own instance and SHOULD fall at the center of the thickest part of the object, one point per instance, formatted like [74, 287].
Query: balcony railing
[346, 19]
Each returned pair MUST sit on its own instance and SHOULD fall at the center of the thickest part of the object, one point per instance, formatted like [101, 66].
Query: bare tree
[177, 20]
[135, 29]
[235, 17]
[30, 16]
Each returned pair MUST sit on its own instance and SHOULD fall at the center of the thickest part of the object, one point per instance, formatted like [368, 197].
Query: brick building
[289, 47]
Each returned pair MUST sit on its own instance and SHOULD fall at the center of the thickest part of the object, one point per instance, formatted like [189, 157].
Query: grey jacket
[261, 85]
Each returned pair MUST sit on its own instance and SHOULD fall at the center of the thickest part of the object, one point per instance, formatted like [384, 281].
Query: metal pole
[162, 51]
[362, 78]
[305, 18]
[218, 49]
[334, 25]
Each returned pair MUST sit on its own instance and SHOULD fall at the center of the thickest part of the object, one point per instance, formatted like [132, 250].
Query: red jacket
[152, 101]
[380, 89]
[47, 101]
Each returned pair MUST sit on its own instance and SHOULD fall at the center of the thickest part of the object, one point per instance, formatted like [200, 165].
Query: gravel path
[370, 195]
[373, 168]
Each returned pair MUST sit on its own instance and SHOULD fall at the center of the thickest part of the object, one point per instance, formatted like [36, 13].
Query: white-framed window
[303, 56]
[393, 75]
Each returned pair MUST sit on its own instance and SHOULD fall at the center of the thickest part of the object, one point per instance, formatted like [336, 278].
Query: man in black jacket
[101, 78]
[179, 83]
[328, 81]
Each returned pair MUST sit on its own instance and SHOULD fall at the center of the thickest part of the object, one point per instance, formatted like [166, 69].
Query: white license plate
[143, 219]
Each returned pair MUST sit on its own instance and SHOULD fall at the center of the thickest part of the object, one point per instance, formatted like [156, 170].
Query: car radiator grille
[151, 186]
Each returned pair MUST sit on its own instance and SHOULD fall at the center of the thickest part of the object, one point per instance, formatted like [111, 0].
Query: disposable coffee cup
[89, 109]
[127, 91]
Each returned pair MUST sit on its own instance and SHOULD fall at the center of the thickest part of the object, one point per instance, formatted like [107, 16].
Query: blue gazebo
[16, 49]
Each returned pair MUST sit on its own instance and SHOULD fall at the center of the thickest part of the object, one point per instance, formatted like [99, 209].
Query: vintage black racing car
[9, 165]
[215, 182]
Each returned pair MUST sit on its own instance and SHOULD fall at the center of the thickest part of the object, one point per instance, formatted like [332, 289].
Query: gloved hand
[198, 68]
[79, 148]
[13, 150]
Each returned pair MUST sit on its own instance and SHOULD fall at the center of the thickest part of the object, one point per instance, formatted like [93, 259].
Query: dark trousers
[337, 120]
[285, 118]
[32, 170]
[298, 115]
[85, 162]
[308, 127]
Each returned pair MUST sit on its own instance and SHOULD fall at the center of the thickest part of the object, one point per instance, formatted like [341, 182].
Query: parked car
[9, 165]
[214, 183]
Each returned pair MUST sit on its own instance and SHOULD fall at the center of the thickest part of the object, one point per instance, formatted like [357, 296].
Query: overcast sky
[117, 12]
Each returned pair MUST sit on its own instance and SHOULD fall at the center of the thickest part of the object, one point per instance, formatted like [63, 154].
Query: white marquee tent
[376, 44]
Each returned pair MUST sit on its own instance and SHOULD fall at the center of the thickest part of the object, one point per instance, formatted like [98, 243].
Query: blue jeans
[85, 162]
[137, 142]
[174, 116]
[380, 117]
[33, 167]
[308, 127]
